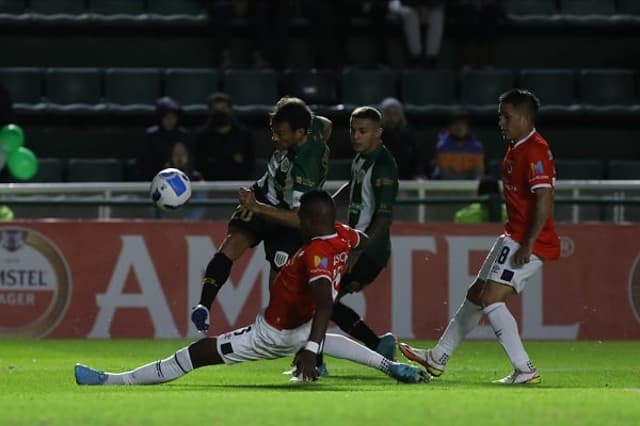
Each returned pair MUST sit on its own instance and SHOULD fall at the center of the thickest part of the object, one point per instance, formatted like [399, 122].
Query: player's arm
[288, 217]
[327, 127]
[305, 361]
[544, 207]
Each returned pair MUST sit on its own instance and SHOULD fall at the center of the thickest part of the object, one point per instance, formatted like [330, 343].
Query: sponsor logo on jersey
[35, 283]
[322, 262]
[537, 168]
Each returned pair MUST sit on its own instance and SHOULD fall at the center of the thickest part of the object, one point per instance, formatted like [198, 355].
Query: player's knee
[475, 292]
[204, 352]
[219, 268]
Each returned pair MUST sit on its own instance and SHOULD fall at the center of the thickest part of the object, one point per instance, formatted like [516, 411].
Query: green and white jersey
[291, 173]
[374, 187]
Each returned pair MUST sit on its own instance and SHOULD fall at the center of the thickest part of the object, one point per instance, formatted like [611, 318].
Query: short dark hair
[318, 205]
[521, 99]
[293, 111]
[488, 185]
[368, 113]
[219, 97]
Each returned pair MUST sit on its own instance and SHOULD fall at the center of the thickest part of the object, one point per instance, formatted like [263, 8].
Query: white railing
[617, 193]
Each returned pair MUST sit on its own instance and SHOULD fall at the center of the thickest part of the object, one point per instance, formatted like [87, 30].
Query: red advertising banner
[90, 279]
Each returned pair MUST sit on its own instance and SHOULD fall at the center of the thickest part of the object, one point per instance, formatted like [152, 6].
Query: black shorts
[364, 272]
[280, 242]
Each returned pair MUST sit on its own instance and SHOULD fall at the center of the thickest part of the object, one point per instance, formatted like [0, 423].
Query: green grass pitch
[584, 383]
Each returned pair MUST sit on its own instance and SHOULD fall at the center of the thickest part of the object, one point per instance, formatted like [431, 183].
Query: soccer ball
[170, 189]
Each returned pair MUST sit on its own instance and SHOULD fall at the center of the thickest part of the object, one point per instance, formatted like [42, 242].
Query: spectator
[181, 159]
[223, 147]
[413, 14]
[459, 154]
[399, 138]
[481, 212]
[161, 138]
[477, 28]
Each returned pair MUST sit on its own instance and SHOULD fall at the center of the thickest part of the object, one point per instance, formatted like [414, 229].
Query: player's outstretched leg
[340, 346]
[350, 322]
[198, 354]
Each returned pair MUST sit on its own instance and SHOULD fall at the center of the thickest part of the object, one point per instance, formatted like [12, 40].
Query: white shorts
[498, 265]
[261, 341]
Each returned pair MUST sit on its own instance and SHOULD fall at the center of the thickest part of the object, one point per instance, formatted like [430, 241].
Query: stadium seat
[531, 7]
[191, 86]
[313, 86]
[252, 91]
[263, 144]
[173, 7]
[300, 54]
[12, 7]
[608, 91]
[362, 51]
[494, 167]
[366, 87]
[94, 170]
[25, 85]
[132, 90]
[579, 169]
[57, 7]
[554, 87]
[339, 169]
[588, 7]
[624, 169]
[117, 7]
[631, 7]
[49, 170]
[74, 90]
[259, 169]
[428, 91]
[480, 89]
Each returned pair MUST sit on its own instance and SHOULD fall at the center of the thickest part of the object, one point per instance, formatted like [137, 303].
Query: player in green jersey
[372, 194]
[268, 210]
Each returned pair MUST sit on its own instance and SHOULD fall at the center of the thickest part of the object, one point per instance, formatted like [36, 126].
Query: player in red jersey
[528, 174]
[294, 322]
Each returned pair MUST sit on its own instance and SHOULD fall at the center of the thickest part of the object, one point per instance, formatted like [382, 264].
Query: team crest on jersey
[285, 165]
[280, 258]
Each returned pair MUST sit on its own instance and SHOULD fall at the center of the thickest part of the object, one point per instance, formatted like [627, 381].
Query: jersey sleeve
[541, 169]
[384, 179]
[318, 262]
[350, 234]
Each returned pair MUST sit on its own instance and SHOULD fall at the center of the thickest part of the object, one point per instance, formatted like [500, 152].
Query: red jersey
[290, 301]
[528, 165]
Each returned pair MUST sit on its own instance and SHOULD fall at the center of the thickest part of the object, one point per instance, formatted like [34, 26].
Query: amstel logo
[634, 288]
[35, 286]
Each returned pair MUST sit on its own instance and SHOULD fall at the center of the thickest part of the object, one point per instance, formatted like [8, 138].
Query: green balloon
[11, 137]
[22, 163]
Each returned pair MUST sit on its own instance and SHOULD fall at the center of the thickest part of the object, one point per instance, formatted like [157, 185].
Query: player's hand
[248, 199]
[200, 318]
[522, 255]
[305, 366]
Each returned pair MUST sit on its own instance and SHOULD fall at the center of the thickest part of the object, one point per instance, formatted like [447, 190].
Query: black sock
[351, 323]
[214, 278]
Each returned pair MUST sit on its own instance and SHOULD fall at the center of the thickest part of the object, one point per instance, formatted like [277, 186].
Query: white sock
[466, 318]
[340, 346]
[506, 330]
[166, 370]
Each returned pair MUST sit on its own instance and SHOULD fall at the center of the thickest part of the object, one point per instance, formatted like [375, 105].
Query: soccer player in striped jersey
[372, 194]
[268, 210]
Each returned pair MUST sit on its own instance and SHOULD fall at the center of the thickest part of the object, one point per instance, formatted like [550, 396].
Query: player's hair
[219, 97]
[368, 113]
[522, 99]
[319, 206]
[293, 111]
